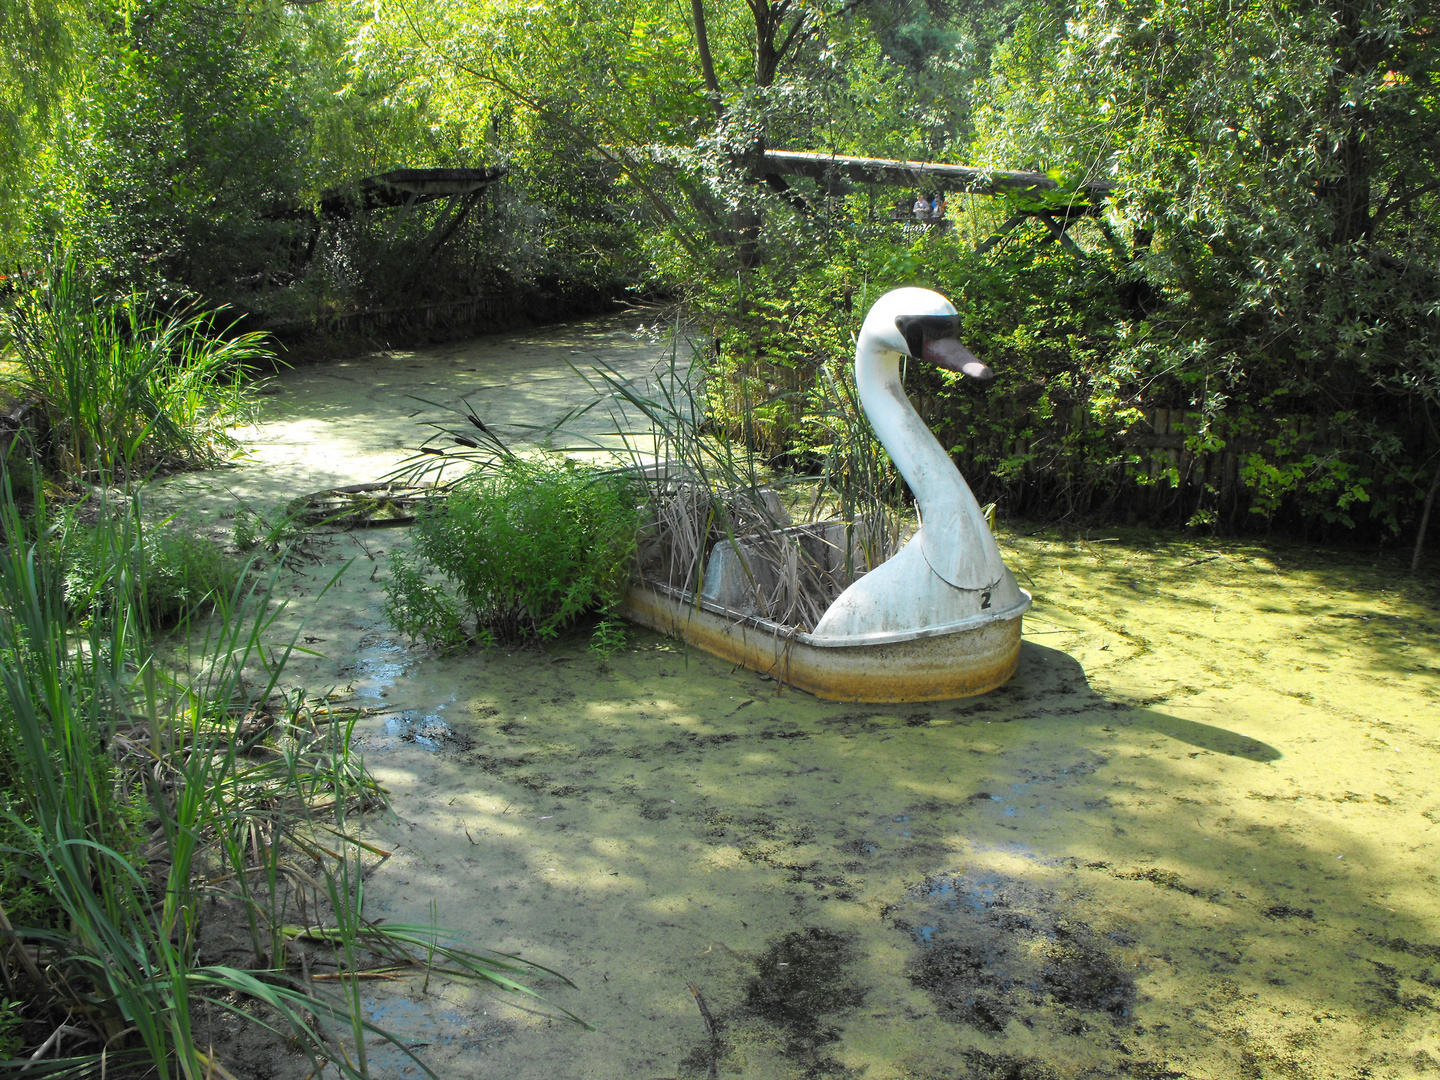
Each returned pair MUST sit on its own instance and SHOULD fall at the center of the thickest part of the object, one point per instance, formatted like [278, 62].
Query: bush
[170, 572]
[523, 549]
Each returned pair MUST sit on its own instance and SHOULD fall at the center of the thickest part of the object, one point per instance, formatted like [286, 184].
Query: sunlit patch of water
[425, 1025]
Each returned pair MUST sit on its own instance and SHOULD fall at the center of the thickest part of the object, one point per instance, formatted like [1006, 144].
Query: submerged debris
[991, 948]
[428, 731]
[362, 505]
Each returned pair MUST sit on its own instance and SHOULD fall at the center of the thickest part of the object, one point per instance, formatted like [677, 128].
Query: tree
[1275, 168]
[36, 54]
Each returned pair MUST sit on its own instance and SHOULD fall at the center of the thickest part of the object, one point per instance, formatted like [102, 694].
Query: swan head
[921, 324]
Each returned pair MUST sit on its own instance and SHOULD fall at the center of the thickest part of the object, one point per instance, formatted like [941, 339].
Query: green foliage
[174, 573]
[37, 48]
[10, 1020]
[1267, 259]
[121, 386]
[136, 796]
[1274, 180]
[422, 609]
[174, 165]
[250, 529]
[523, 550]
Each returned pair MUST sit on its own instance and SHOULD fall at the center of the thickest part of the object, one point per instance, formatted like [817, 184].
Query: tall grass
[152, 797]
[705, 488]
[122, 386]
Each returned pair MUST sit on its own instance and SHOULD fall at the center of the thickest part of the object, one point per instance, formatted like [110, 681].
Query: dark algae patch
[800, 984]
[429, 732]
[982, 1066]
[1285, 911]
[1081, 970]
[990, 949]
[801, 981]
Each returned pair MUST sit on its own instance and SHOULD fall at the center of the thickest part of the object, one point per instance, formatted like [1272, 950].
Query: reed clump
[798, 533]
[120, 385]
[156, 787]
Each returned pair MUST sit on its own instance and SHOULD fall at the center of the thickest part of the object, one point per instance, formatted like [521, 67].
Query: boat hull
[932, 665]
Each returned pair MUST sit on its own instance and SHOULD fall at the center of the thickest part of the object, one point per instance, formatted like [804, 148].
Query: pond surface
[1194, 836]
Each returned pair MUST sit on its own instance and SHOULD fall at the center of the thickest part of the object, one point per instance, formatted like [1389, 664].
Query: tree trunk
[1359, 54]
[1424, 522]
[707, 64]
[773, 41]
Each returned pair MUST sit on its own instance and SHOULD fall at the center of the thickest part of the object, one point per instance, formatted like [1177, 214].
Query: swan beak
[949, 353]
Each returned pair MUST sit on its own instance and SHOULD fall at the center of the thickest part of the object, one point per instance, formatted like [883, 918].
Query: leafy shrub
[10, 1020]
[523, 550]
[170, 572]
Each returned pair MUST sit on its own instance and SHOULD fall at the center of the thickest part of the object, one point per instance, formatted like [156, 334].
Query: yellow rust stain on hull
[923, 669]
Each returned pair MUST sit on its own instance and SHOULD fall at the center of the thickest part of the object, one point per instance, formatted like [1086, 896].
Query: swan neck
[917, 454]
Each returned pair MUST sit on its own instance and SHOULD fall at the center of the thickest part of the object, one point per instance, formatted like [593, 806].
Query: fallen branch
[711, 1032]
[54, 1040]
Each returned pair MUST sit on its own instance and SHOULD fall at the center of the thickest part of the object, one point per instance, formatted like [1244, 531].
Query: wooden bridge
[835, 171]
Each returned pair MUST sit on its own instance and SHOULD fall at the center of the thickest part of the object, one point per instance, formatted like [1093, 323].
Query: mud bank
[1192, 838]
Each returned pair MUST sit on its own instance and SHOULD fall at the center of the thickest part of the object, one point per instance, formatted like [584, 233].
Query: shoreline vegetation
[1207, 285]
[160, 789]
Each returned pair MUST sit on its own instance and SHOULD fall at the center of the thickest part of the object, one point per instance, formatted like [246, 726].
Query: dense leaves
[1266, 264]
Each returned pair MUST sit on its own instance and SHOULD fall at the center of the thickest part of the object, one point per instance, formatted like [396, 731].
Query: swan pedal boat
[939, 619]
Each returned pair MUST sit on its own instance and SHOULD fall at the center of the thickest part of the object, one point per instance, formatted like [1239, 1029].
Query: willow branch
[606, 153]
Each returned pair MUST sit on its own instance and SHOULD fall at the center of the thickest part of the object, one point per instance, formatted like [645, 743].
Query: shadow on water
[1217, 740]
[1069, 884]
[1045, 671]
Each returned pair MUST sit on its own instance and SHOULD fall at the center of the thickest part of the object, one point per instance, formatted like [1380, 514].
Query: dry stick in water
[710, 1032]
[54, 1040]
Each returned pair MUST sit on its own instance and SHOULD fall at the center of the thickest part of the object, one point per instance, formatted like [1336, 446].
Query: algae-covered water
[1192, 838]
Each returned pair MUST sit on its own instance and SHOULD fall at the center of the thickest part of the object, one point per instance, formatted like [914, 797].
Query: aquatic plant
[122, 385]
[521, 550]
[149, 799]
[176, 573]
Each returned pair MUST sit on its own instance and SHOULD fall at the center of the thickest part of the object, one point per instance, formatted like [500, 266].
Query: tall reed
[153, 796]
[123, 386]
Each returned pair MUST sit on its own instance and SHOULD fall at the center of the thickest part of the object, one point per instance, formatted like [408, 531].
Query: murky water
[1194, 837]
